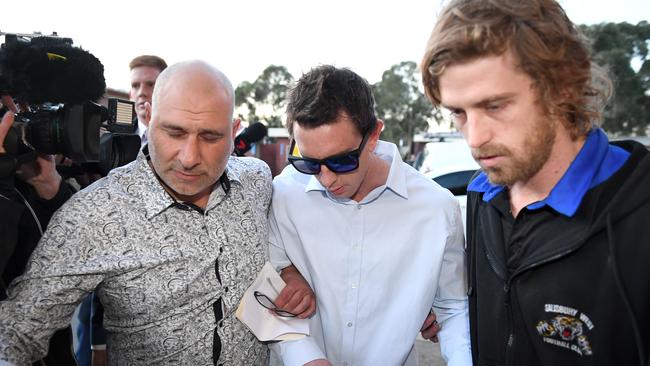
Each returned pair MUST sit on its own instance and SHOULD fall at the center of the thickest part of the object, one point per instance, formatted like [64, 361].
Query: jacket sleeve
[10, 212]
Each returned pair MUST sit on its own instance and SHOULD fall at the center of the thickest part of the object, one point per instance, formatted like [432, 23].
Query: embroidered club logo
[566, 329]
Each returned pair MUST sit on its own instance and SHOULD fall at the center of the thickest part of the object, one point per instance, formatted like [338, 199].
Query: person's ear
[236, 123]
[374, 135]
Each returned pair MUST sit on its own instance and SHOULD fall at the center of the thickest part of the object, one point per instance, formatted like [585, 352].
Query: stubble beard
[520, 168]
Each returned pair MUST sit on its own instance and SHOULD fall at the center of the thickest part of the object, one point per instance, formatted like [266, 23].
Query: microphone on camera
[250, 135]
[51, 72]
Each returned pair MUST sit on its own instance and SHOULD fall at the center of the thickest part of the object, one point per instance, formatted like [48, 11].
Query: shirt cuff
[278, 257]
[454, 339]
[299, 352]
[98, 347]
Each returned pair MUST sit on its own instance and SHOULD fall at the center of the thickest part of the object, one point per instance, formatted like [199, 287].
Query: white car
[449, 162]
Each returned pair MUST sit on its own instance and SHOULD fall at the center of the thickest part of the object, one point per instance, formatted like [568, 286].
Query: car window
[456, 182]
[439, 158]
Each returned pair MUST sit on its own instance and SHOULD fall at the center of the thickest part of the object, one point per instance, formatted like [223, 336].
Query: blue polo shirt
[596, 161]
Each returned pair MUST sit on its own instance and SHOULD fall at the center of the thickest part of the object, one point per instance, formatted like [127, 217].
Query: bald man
[169, 242]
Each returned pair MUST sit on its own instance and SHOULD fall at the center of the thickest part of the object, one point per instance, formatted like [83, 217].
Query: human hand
[5, 125]
[99, 357]
[8, 102]
[430, 328]
[296, 297]
[42, 175]
[319, 362]
[147, 113]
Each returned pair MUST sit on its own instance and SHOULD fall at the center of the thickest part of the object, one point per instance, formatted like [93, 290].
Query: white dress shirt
[142, 131]
[377, 266]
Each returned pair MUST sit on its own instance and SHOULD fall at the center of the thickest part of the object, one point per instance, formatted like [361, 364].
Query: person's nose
[326, 176]
[477, 130]
[190, 155]
[143, 90]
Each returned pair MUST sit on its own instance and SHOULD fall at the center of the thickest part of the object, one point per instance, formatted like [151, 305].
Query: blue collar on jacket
[596, 161]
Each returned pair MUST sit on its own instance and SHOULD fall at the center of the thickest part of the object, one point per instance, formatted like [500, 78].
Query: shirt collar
[596, 161]
[142, 182]
[396, 181]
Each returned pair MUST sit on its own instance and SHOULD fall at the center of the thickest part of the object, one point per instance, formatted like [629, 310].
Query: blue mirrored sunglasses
[340, 163]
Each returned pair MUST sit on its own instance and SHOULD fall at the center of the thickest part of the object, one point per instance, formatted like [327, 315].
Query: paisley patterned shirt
[153, 264]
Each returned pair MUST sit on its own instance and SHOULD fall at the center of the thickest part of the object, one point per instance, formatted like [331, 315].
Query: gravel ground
[429, 353]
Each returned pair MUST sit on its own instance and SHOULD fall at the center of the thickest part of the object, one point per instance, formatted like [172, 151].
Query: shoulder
[121, 185]
[290, 180]
[423, 188]
[253, 175]
[248, 168]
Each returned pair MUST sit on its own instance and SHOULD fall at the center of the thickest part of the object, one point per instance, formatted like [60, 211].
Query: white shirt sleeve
[301, 351]
[297, 353]
[450, 304]
[277, 254]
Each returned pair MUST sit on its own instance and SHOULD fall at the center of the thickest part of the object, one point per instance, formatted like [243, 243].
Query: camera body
[61, 83]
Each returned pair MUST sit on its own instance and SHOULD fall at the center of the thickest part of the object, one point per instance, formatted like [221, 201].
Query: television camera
[61, 84]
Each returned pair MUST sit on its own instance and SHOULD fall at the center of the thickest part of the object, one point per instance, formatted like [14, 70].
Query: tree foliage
[265, 97]
[401, 104]
[621, 48]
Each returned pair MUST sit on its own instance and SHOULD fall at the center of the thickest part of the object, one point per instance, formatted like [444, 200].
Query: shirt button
[349, 324]
[354, 285]
[358, 207]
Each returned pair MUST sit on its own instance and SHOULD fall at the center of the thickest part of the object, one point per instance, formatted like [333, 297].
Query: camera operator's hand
[42, 175]
[5, 125]
[8, 102]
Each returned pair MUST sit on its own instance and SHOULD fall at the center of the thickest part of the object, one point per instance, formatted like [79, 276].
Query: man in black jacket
[29, 195]
[559, 218]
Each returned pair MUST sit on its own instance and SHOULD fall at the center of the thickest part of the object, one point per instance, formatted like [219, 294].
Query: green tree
[621, 48]
[401, 105]
[265, 97]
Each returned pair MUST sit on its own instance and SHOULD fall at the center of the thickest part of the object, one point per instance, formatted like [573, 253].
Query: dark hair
[544, 42]
[321, 95]
[148, 60]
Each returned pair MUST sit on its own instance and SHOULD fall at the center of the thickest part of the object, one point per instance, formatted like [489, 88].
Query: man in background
[558, 220]
[144, 72]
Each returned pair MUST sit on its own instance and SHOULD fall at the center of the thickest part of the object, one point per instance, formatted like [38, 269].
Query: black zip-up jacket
[580, 292]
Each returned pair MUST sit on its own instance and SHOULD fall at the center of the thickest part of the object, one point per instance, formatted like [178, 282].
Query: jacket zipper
[511, 338]
[507, 289]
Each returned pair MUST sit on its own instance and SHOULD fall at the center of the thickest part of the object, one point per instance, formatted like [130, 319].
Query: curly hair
[321, 95]
[545, 43]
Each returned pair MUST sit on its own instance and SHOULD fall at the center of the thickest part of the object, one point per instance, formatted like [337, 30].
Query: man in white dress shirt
[380, 244]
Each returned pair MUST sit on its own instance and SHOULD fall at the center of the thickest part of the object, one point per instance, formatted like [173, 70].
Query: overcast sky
[242, 37]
